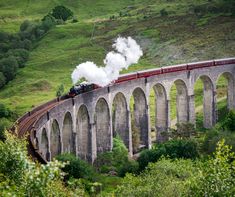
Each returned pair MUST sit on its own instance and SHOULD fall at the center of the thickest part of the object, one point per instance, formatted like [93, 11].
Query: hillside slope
[179, 36]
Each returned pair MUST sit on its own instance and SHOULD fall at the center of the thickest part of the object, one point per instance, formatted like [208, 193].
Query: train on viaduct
[85, 125]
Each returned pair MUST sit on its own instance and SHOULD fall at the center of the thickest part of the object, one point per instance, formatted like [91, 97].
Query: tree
[21, 56]
[229, 122]
[24, 25]
[9, 67]
[48, 22]
[2, 80]
[61, 12]
[76, 168]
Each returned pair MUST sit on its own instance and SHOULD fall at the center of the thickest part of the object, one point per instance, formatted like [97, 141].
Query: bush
[4, 124]
[21, 55]
[48, 22]
[61, 12]
[214, 136]
[164, 178]
[2, 80]
[163, 12]
[60, 90]
[115, 160]
[229, 122]
[4, 112]
[216, 176]
[104, 162]
[4, 36]
[131, 166]
[9, 67]
[76, 168]
[187, 149]
[135, 136]
[180, 177]
[24, 26]
[19, 176]
[26, 44]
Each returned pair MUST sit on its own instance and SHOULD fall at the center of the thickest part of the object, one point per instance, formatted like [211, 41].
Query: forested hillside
[168, 31]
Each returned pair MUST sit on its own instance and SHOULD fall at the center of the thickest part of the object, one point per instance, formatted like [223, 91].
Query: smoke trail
[127, 52]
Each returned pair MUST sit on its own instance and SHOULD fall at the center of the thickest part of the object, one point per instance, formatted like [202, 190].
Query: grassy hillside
[180, 36]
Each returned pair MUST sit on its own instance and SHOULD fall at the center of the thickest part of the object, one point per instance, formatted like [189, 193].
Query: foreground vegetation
[183, 166]
[193, 35]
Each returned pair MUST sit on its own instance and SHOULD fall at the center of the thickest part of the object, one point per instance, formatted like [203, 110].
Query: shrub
[24, 26]
[104, 162]
[76, 168]
[13, 154]
[9, 67]
[4, 111]
[180, 177]
[4, 36]
[2, 80]
[115, 160]
[216, 176]
[135, 136]
[61, 12]
[213, 136]
[21, 56]
[4, 124]
[164, 178]
[163, 12]
[130, 166]
[21, 177]
[60, 90]
[48, 22]
[229, 122]
[173, 149]
[120, 152]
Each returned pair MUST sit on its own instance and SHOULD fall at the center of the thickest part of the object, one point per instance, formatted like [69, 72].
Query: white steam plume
[128, 52]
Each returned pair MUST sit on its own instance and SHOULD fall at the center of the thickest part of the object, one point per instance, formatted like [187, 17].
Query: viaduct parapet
[85, 125]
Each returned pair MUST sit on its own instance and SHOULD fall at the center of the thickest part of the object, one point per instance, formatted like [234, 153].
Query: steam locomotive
[81, 88]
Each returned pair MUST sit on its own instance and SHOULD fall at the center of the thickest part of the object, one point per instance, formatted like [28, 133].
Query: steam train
[81, 88]
[86, 87]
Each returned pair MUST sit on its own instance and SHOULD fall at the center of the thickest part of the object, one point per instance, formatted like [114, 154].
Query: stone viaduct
[86, 124]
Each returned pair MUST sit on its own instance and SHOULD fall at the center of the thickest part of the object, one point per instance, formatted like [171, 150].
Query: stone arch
[181, 101]
[141, 116]
[121, 118]
[83, 133]
[44, 149]
[208, 101]
[103, 127]
[161, 111]
[67, 134]
[55, 143]
[230, 89]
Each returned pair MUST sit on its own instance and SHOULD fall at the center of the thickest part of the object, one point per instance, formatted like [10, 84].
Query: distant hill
[169, 32]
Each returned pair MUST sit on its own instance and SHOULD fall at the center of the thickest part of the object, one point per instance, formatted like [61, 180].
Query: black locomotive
[81, 88]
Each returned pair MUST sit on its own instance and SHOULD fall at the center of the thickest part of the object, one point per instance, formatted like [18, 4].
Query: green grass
[165, 40]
